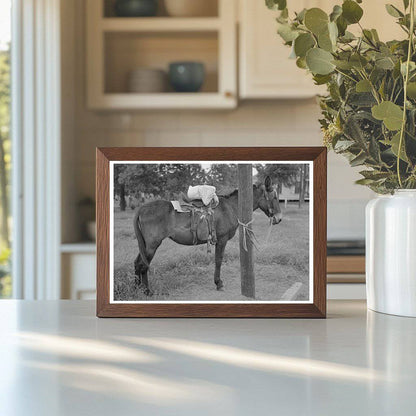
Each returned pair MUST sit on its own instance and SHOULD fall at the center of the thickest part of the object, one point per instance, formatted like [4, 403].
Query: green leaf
[333, 32]
[342, 25]
[385, 63]
[364, 181]
[286, 32]
[343, 65]
[391, 114]
[325, 43]
[412, 67]
[394, 144]
[343, 145]
[411, 90]
[361, 99]
[319, 61]
[358, 61]
[368, 36]
[375, 35]
[363, 86]
[351, 11]
[284, 14]
[347, 37]
[374, 150]
[301, 63]
[321, 79]
[393, 11]
[358, 160]
[336, 12]
[374, 175]
[406, 4]
[300, 17]
[316, 20]
[276, 4]
[303, 43]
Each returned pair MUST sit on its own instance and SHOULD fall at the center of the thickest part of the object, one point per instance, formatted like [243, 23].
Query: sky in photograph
[5, 29]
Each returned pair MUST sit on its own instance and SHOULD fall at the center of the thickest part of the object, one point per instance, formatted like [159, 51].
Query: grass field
[187, 273]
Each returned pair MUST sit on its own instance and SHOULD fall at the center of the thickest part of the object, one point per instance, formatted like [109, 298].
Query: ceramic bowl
[135, 8]
[147, 80]
[186, 76]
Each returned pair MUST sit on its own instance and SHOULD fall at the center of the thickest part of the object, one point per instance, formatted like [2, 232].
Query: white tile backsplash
[271, 123]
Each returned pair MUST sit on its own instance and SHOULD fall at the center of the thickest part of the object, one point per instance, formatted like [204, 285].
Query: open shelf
[130, 101]
[116, 46]
[160, 24]
[127, 51]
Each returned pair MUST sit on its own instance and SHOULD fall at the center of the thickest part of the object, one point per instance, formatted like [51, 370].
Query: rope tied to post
[248, 233]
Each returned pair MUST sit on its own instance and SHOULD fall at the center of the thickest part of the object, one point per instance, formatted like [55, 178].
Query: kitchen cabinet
[265, 70]
[116, 46]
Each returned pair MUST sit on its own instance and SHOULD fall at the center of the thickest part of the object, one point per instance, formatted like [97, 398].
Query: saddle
[202, 219]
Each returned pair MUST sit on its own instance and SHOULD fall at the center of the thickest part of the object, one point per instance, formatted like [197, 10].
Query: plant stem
[406, 80]
[345, 75]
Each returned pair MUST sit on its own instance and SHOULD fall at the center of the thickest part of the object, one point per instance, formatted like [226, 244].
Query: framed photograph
[211, 232]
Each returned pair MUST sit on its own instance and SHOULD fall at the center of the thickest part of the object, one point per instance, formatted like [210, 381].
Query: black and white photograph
[211, 232]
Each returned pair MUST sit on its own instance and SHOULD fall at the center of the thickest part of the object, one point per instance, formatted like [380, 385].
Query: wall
[265, 123]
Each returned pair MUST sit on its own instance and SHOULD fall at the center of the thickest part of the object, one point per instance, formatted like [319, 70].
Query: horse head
[265, 197]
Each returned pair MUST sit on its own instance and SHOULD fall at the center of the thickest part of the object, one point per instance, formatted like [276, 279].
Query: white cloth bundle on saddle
[206, 193]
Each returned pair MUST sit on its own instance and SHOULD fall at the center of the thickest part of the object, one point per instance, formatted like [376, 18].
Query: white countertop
[57, 359]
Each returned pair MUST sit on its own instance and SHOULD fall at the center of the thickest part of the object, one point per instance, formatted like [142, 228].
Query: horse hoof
[138, 282]
[220, 286]
[148, 292]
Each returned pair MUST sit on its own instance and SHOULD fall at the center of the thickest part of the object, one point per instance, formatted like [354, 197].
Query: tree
[303, 182]
[223, 176]
[119, 185]
[4, 143]
[164, 179]
[282, 174]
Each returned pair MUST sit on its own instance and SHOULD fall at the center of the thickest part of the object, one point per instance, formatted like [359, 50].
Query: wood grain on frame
[317, 309]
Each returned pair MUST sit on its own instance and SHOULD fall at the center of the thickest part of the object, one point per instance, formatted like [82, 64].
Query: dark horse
[157, 220]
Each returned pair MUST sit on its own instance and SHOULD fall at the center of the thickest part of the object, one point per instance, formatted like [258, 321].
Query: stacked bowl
[147, 80]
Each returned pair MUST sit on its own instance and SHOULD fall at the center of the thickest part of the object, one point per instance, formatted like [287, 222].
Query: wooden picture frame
[315, 308]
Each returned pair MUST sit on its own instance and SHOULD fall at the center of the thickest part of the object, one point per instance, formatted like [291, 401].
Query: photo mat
[184, 273]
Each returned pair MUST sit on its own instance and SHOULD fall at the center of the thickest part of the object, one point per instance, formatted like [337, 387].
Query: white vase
[391, 253]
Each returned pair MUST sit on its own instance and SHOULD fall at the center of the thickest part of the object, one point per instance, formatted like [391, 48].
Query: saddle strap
[194, 227]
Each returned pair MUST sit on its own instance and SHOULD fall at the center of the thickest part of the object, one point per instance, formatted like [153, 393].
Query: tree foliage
[167, 180]
[369, 113]
[285, 174]
[5, 165]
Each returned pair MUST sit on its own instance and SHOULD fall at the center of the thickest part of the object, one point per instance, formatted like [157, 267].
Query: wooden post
[245, 214]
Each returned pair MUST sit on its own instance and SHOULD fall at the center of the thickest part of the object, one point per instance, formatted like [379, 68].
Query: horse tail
[140, 239]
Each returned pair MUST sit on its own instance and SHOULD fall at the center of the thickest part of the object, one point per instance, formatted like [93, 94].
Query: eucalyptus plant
[369, 113]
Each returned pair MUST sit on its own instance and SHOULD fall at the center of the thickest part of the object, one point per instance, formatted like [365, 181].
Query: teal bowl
[186, 76]
[135, 8]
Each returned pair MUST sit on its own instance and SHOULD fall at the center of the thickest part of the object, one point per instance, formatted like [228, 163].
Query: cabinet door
[265, 68]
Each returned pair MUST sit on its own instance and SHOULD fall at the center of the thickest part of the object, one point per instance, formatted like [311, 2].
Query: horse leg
[140, 274]
[138, 270]
[150, 252]
[219, 253]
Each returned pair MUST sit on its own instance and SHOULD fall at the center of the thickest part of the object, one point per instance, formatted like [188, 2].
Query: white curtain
[36, 148]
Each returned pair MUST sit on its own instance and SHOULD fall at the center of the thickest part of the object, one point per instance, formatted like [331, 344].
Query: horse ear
[268, 183]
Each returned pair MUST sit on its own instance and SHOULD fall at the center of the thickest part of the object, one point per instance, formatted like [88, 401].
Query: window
[5, 145]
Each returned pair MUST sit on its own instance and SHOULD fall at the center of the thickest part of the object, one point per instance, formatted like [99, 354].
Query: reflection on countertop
[58, 358]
